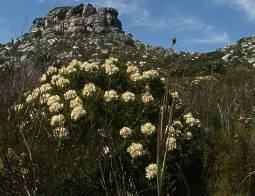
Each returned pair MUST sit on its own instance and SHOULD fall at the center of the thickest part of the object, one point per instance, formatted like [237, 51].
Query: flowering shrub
[115, 105]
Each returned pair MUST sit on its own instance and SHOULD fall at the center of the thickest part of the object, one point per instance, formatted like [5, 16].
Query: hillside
[86, 109]
[80, 32]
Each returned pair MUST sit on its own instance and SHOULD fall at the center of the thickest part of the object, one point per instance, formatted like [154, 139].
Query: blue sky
[199, 25]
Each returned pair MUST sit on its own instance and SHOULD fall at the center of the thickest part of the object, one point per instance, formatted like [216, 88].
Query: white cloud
[247, 6]
[174, 23]
[213, 38]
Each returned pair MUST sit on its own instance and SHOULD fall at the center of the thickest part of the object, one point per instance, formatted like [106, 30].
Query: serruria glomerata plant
[94, 112]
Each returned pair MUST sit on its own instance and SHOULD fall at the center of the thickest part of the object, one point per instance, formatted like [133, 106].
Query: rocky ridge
[86, 33]
[79, 19]
[82, 32]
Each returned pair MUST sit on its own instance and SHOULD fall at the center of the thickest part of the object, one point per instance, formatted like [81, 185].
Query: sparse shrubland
[123, 118]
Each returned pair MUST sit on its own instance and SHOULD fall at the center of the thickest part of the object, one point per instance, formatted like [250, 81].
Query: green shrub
[87, 122]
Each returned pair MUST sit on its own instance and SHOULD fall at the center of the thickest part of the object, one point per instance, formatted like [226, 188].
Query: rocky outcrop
[81, 32]
[78, 19]
[243, 51]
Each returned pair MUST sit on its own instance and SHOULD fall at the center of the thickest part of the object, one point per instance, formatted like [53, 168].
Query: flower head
[52, 70]
[106, 150]
[60, 132]
[151, 171]
[77, 113]
[70, 94]
[175, 95]
[76, 102]
[128, 96]
[45, 88]
[43, 78]
[53, 99]
[151, 74]
[135, 150]
[188, 135]
[33, 96]
[171, 143]
[110, 95]
[148, 128]
[190, 120]
[89, 67]
[59, 81]
[55, 107]
[147, 98]
[125, 132]
[110, 67]
[136, 77]
[57, 120]
[89, 89]
[44, 98]
[132, 69]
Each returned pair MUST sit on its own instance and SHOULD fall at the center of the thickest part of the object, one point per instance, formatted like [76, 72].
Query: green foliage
[82, 136]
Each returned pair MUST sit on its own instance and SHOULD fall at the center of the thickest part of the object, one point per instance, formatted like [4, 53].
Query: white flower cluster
[57, 120]
[128, 96]
[132, 69]
[89, 67]
[60, 132]
[59, 81]
[89, 89]
[110, 96]
[125, 132]
[55, 107]
[151, 171]
[77, 113]
[76, 102]
[135, 150]
[190, 120]
[52, 99]
[147, 98]
[188, 135]
[136, 77]
[44, 98]
[163, 80]
[171, 143]
[70, 94]
[148, 128]
[134, 72]
[52, 70]
[151, 74]
[45, 88]
[71, 68]
[43, 78]
[106, 150]
[54, 104]
[110, 67]
[175, 95]
[33, 96]
[75, 63]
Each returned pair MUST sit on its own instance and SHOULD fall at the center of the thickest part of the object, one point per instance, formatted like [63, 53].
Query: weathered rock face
[80, 32]
[79, 19]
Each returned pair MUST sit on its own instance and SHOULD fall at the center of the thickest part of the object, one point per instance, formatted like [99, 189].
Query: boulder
[76, 29]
